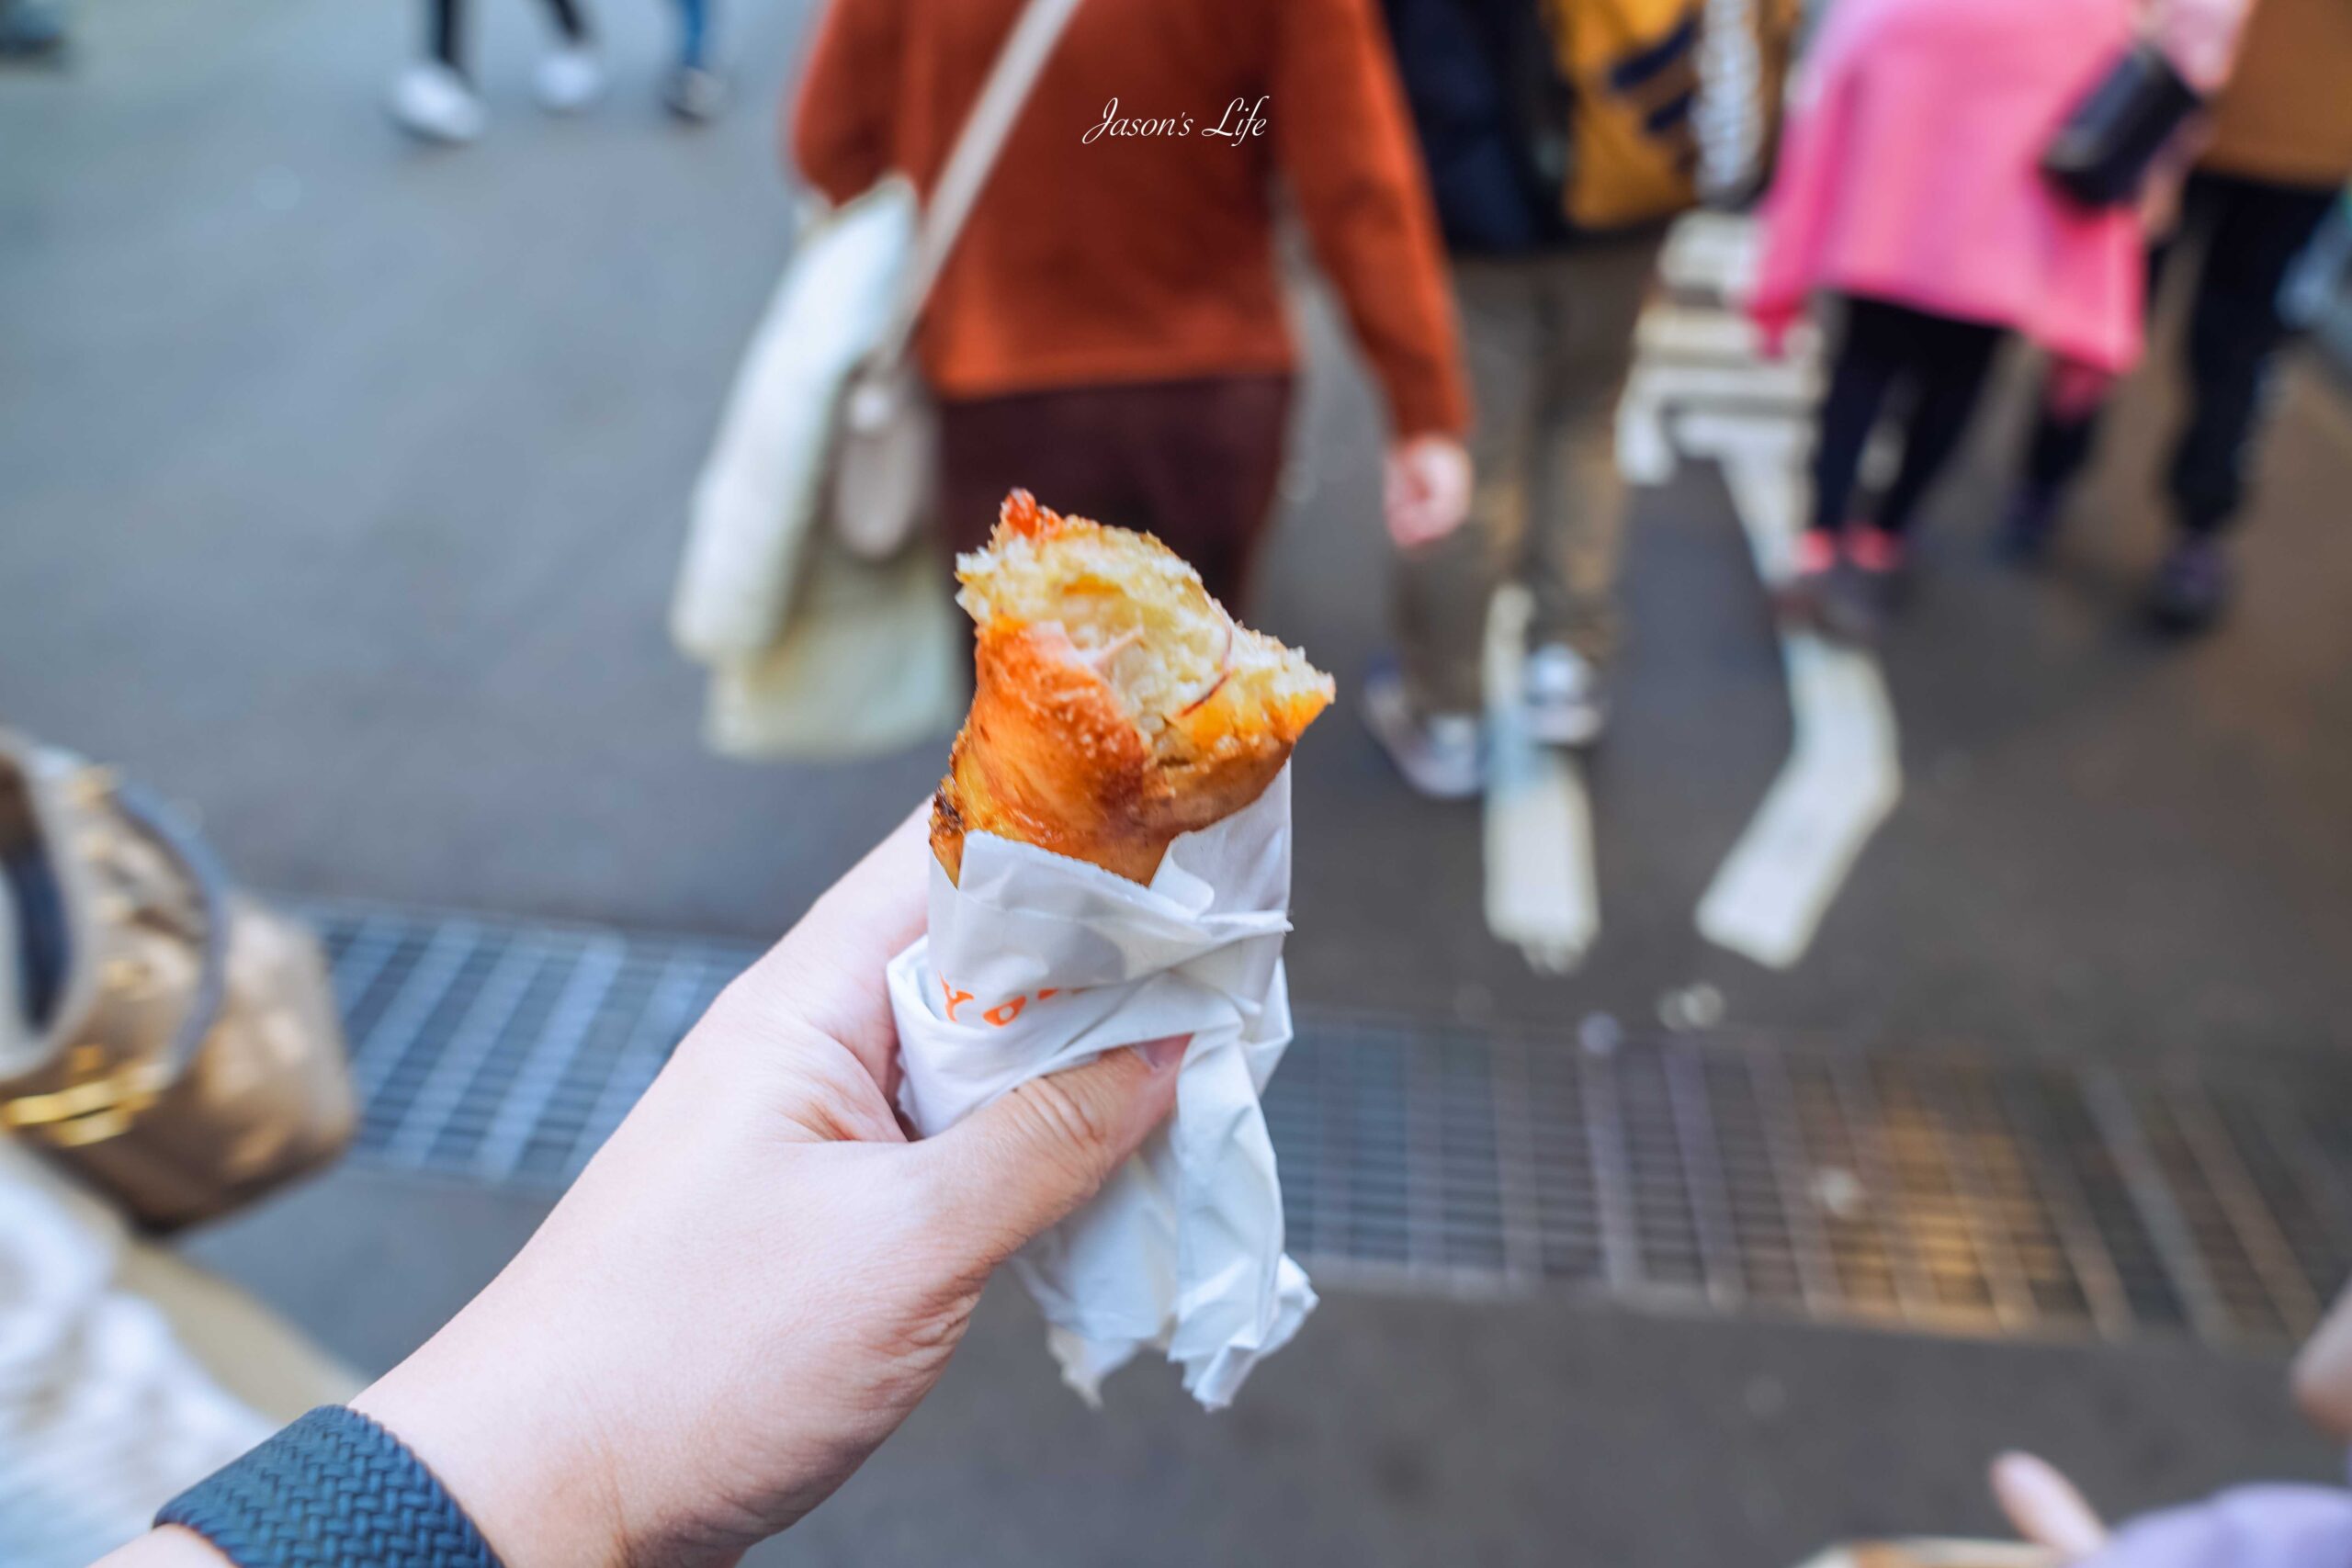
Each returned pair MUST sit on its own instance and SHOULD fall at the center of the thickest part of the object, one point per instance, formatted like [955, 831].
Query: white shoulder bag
[886, 451]
[809, 584]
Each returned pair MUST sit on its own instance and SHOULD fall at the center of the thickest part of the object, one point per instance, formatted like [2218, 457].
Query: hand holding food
[756, 1278]
[1121, 719]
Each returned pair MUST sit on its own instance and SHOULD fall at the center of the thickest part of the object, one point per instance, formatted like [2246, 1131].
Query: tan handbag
[884, 456]
[171, 1042]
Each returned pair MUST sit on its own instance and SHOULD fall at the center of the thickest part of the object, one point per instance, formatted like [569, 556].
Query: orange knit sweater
[1143, 250]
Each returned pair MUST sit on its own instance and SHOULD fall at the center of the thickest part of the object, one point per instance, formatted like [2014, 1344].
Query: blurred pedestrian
[1559, 140]
[2279, 155]
[435, 98]
[1909, 189]
[1109, 329]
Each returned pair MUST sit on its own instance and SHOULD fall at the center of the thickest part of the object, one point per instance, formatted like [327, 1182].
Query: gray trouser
[1549, 340]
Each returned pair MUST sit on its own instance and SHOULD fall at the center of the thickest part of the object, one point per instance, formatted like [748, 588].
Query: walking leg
[1576, 522]
[446, 26]
[694, 34]
[2235, 332]
[1441, 592]
[1948, 375]
[1869, 352]
[569, 20]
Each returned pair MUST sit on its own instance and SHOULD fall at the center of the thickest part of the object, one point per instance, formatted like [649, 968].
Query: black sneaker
[1857, 602]
[1818, 562]
[2192, 587]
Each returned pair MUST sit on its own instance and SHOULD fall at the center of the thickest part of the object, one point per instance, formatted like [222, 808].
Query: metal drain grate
[508, 1052]
[1946, 1192]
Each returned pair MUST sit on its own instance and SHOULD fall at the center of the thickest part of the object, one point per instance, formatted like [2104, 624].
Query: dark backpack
[1492, 112]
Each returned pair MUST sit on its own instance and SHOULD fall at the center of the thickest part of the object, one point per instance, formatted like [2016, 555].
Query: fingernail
[1162, 1054]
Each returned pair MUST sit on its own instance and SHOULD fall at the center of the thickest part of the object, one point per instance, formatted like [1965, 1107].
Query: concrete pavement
[1398, 1430]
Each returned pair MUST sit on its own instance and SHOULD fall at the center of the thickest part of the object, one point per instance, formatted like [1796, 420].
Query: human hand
[2045, 1509]
[2271, 1525]
[2323, 1375]
[2199, 37]
[758, 1277]
[1425, 488]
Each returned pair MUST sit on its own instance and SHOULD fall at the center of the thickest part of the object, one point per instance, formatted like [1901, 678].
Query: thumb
[1027, 1158]
[2044, 1507]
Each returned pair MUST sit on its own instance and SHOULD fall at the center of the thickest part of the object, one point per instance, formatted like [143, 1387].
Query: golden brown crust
[1049, 755]
[1046, 757]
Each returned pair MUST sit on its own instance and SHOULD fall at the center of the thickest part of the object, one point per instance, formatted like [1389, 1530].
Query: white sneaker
[1565, 700]
[430, 101]
[696, 93]
[1441, 755]
[569, 79]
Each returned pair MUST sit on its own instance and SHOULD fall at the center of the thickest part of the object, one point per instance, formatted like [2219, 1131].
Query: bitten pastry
[1117, 704]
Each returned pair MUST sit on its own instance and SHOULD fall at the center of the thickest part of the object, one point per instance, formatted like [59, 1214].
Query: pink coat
[1907, 173]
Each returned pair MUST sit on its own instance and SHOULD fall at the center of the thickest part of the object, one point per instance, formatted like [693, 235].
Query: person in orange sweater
[1110, 329]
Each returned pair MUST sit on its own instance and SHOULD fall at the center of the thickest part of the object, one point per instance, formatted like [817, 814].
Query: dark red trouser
[1193, 461]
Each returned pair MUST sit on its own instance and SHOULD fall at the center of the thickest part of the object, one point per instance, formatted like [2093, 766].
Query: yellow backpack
[1633, 67]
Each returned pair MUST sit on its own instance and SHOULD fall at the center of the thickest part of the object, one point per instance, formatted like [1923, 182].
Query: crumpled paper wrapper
[1037, 963]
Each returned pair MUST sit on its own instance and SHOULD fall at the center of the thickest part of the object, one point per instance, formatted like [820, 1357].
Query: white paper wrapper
[1037, 963]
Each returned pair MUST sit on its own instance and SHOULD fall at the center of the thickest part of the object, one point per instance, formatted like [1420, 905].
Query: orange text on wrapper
[997, 1016]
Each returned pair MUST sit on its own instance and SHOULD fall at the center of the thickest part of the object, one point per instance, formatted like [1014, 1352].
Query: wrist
[507, 1438]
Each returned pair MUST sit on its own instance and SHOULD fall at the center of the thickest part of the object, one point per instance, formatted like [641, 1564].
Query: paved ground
[1397, 1430]
[342, 485]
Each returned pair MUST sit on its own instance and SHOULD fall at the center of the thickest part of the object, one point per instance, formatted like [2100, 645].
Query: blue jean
[694, 32]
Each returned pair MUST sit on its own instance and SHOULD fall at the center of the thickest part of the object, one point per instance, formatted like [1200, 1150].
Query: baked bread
[1115, 704]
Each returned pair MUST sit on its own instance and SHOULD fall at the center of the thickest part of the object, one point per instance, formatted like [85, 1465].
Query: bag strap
[19, 1002]
[44, 903]
[969, 161]
[91, 1108]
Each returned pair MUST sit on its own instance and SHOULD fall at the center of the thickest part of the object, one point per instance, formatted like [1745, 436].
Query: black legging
[446, 21]
[2253, 232]
[1940, 364]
